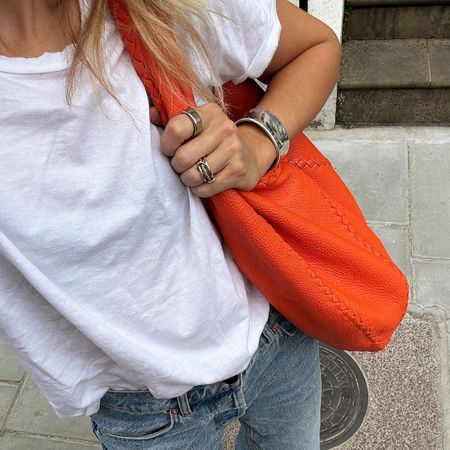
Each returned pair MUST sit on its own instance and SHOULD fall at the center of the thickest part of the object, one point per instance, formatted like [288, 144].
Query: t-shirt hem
[65, 413]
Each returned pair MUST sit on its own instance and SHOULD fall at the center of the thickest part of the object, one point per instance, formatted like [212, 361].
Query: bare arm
[304, 69]
[300, 78]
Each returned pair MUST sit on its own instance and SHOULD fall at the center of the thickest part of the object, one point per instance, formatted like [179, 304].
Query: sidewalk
[401, 179]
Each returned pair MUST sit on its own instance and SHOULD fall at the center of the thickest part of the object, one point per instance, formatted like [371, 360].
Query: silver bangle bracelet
[269, 134]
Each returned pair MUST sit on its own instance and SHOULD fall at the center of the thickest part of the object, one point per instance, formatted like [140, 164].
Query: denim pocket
[131, 426]
[156, 430]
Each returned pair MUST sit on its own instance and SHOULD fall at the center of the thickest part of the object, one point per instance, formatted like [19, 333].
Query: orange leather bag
[299, 236]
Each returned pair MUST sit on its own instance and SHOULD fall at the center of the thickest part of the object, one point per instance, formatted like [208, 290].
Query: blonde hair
[155, 21]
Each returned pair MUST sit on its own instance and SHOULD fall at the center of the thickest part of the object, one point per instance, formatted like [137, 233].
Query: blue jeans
[276, 400]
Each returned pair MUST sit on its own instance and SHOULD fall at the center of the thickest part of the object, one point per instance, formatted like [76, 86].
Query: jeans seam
[144, 438]
[140, 411]
[253, 444]
[94, 430]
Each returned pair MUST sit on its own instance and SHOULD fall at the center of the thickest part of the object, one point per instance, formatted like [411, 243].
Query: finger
[236, 174]
[217, 161]
[222, 182]
[222, 137]
[181, 128]
[178, 130]
[191, 151]
[155, 117]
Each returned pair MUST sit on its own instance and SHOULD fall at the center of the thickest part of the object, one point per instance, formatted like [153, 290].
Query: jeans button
[275, 327]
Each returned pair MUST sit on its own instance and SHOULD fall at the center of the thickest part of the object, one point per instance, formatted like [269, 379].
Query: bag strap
[169, 103]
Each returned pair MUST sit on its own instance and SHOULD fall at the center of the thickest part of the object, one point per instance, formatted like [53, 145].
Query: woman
[116, 293]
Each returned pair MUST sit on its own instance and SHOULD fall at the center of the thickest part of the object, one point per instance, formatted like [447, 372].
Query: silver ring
[195, 119]
[205, 170]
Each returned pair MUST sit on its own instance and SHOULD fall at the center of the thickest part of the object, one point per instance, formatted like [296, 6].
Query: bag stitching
[367, 331]
[301, 163]
[347, 225]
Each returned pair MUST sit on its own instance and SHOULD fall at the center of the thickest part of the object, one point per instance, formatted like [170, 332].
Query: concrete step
[397, 23]
[392, 64]
[359, 3]
[421, 106]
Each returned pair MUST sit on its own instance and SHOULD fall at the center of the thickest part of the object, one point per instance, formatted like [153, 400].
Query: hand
[237, 156]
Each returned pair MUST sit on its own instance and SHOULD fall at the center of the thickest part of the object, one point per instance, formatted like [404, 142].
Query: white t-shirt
[111, 273]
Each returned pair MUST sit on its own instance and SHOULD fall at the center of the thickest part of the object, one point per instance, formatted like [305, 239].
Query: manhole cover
[344, 397]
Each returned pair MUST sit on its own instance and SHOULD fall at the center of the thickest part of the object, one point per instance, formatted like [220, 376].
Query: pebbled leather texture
[299, 236]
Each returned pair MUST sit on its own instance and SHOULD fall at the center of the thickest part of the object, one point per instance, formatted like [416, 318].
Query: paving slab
[7, 395]
[10, 369]
[401, 63]
[432, 283]
[375, 172]
[431, 287]
[439, 51]
[431, 134]
[12, 441]
[397, 23]
[33, 414]
[430, 200]
[364, 107]
[396, 240]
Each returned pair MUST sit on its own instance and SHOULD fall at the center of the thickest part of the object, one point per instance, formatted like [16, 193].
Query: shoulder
[242, 36]
[229, 12]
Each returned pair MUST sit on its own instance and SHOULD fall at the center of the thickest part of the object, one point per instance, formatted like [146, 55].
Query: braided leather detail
[168, 103]
[344, 308]
[348, 227]
[311, 163]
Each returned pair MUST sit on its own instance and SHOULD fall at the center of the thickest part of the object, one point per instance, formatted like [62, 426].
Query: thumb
[155, 117]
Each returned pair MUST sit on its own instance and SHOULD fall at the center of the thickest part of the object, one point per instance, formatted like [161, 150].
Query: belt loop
[183, 405]
[239, 398]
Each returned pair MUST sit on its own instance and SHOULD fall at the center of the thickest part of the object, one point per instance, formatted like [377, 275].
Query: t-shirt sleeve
[244, 38]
